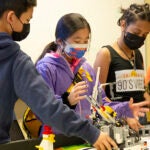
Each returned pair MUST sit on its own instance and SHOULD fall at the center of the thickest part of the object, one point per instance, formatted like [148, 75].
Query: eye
[86, 42]
[28, 20]
[77, 42]
[136, 33]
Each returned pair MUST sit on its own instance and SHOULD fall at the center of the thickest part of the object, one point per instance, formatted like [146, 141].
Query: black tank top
[119, 63]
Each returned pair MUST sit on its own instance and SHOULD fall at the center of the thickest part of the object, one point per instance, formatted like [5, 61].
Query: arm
[31, 88]
[122, 108]
[128, 109]
[102, 60]
[48, 73]
[147, 77]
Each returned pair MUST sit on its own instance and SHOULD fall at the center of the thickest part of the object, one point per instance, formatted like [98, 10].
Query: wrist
[66, 100]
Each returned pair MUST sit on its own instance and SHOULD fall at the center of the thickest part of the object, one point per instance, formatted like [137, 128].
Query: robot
[47, 139]
[105, 118]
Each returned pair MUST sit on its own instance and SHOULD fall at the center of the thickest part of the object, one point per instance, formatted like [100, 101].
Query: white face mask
[75, 50]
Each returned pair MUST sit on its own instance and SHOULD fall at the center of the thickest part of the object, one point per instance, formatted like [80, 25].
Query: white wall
[101, 14]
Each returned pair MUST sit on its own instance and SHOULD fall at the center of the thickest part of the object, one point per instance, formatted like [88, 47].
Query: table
[62, 143]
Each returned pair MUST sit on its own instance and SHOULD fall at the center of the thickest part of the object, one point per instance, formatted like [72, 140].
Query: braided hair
[135, 12]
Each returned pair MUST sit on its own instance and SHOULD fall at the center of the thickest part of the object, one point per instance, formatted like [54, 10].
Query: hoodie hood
[7, 46]
[60, 61]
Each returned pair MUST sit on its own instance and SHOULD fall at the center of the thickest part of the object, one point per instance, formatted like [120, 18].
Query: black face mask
[133, 41]
[18, 36]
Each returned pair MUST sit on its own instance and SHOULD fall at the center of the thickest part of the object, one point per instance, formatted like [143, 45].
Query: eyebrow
[136, 28]
[80, 38]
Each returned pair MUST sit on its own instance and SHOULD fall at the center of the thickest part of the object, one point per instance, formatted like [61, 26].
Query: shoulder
[138, 54]
[22, 55]
[103, 55]
[45, 66]
[88, 67]
[103, 52]
[22, 59]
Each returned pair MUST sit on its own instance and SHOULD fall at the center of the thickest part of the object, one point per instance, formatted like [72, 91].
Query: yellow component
[133, 73]
[50, 138]
[88, 76]
[39, 147]
[148, 116]
[110, 111]
[117, 123]
[104, 114]
[79, 76]
[70, 87]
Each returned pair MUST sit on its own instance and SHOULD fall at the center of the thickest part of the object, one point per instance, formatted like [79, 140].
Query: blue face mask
[75, 50]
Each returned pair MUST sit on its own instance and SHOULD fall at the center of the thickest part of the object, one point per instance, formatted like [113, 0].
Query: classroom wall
[147, 58]
[101, 14]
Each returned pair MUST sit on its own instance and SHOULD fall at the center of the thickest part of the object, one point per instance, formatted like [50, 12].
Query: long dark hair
[66, 26]
[135, 12]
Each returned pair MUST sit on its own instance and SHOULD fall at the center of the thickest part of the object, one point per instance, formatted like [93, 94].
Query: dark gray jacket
[20, 79]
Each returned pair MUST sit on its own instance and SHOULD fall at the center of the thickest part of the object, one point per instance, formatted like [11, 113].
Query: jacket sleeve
[33, 90]
[122, 108]
[48, 74]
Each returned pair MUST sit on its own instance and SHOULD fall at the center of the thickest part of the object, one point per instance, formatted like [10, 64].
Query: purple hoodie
[58, 75]
[20, 79]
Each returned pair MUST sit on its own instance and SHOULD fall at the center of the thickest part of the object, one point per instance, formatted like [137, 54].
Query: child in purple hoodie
[67, 72]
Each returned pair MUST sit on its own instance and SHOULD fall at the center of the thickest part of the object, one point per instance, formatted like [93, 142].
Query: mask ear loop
[89, 44]
[60, 47]
[11, 27]
[19, 20]
[11, 24]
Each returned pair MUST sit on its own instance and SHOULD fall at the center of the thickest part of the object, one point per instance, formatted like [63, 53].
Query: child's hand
[78, 93]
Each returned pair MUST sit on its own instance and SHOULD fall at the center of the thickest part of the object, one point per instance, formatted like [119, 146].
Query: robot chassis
[105, 119]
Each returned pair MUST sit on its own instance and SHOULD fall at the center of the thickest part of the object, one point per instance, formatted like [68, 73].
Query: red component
[87, 117]
[47, 130]
[103, 108]
[94, 108]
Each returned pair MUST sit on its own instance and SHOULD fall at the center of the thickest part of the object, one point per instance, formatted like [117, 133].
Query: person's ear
[123, 25]
[59, 41]
[10, 17]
